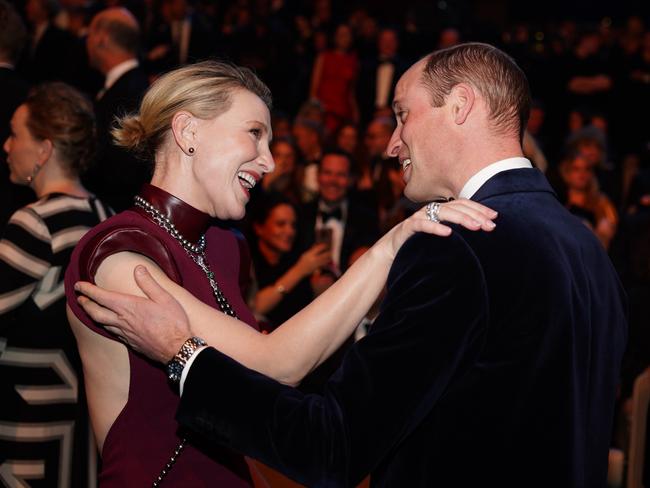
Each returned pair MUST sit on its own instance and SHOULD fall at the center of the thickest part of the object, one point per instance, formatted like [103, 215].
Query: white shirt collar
[114, 74]
[477, 181]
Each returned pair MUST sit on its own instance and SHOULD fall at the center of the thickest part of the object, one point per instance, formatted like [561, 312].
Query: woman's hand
[469, 214]
[316, 257]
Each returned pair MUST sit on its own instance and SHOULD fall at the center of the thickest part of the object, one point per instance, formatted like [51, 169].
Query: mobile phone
[324, 236]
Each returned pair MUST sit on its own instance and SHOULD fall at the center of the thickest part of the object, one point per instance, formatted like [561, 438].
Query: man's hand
[156, 326]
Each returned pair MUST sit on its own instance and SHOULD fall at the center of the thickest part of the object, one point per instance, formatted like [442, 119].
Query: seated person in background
[282, 276]
[347, 138]
[591, 143]
[51, 141]
[287, 176]
[308, 135]
[392, 204]
[585, 200]
[352, 221]
[375, 141]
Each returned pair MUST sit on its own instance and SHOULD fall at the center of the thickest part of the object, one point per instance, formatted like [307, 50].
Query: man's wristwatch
[177, 363]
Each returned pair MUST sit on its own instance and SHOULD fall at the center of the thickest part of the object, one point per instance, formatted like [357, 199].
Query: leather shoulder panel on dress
[131, 239]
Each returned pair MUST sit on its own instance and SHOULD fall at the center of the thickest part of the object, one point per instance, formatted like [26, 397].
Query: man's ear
[184, 130]
[461, 100]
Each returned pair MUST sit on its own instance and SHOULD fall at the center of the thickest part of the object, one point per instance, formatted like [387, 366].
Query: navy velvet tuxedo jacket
[494, 362]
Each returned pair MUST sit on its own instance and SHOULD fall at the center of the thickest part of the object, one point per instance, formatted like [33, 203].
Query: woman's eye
[257, 133]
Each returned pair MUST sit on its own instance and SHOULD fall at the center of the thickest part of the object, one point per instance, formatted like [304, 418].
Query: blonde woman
[207, 129]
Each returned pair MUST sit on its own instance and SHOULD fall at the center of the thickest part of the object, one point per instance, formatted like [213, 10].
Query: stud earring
[30, 178]
[190, 150]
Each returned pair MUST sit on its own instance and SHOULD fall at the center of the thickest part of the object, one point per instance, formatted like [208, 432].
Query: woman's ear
[184, 130]
[45, 150]
[462, 99]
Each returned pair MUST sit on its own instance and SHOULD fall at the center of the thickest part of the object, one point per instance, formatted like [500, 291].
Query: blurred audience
[337, 216]
[52, 53]
[309, 140]
[334, 79]
[113, 44]
[379, 75]
[375, 141]
[182, 35]
[288, 173]
[283, 276]
[586, 201]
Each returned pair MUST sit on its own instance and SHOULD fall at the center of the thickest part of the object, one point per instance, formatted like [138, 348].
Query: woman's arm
[159, 326]
[313, 258]
[25, 258]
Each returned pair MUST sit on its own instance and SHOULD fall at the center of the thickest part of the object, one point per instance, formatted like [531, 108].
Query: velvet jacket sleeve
[430, 330]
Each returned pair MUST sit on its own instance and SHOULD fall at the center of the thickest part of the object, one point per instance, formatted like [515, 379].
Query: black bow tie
[333, 214]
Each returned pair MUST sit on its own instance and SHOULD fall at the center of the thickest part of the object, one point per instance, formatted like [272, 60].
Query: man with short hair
[496, 356]
[351, 223]
[113, 42]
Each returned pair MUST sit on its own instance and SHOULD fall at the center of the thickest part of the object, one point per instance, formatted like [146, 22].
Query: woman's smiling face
[231, 156]
[23, 150]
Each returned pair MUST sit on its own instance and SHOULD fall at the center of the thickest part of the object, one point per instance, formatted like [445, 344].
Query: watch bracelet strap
[176, 365]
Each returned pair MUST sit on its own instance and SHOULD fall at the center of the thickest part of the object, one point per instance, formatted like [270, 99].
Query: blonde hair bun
[130, 134]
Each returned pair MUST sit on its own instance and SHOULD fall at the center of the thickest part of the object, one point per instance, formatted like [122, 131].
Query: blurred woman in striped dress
[44, 432]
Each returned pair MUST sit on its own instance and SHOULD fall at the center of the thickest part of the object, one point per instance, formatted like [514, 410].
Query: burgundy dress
[145, 434]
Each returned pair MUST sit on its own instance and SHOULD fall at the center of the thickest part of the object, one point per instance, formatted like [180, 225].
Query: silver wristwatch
[177, 364]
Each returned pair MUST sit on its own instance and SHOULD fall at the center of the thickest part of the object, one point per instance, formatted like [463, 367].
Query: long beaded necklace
[194, 251]
[197, 253]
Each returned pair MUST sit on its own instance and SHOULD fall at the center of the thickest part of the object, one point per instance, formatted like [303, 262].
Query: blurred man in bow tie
[336, 215]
